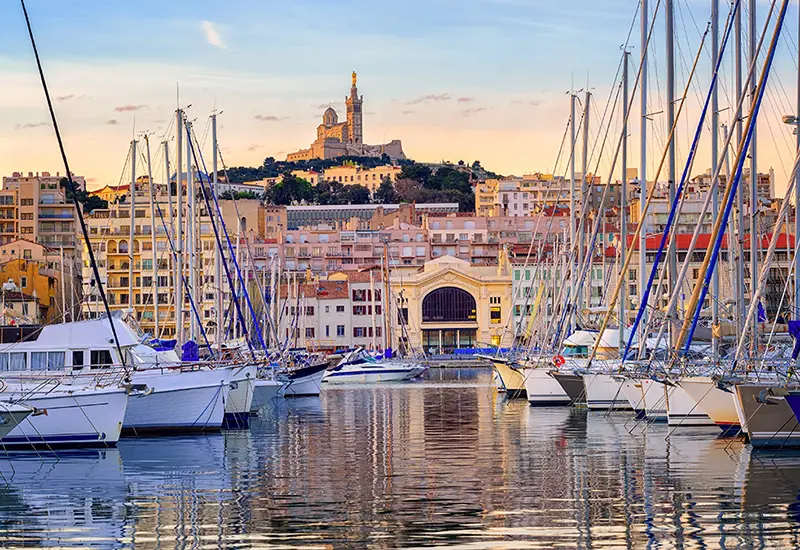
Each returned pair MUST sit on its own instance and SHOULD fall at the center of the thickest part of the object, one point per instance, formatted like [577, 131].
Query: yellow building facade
[450, 303]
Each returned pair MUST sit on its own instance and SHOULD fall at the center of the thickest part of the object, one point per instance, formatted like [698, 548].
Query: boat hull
[75, 417]
[654, 397]
[684, 411]
[304, 382]
[510, 380]
[632, 390]
[543, 390]
[371, 376]
[240, 398]
[573, 386]
[604, 392]
[264, 391]
[718, 404]
[177, 401]
[771, 424]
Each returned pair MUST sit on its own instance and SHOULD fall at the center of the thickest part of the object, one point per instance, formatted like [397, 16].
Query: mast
[714, 155]
[753, 178]
[672, 258]
[584, 185]
[151, 185]
[217, 251]
[190, 227]
[133, 223]
[63, 288]
[372, 308]
[740, 309]
[623, 211]
[572, 217]
[643, 167]
[179, 226]
[797, 202]
[173, 266]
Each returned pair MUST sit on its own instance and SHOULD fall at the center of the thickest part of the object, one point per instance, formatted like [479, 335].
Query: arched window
[448, 305]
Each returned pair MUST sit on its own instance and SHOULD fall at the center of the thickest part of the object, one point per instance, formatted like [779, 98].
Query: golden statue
[355, 77]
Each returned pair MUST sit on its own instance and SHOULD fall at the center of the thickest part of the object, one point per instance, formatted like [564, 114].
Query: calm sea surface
[444, 462]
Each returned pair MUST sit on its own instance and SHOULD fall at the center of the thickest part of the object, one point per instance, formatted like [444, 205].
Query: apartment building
[340, 312]
[130, 277]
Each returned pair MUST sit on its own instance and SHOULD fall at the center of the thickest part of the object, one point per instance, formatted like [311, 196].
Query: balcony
[56, 216]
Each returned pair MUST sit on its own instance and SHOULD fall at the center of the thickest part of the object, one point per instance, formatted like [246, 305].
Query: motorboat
[358, 366]
[541, 389]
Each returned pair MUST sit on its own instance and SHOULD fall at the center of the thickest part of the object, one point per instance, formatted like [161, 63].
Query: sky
[455, 80]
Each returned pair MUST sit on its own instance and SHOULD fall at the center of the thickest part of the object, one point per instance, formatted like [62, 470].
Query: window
[101, 358]
[55, 360]
[309, 310]
[359, 332]
[3, 361]
[339, 330]
[327, 309]
[26, 202]
[448, 305]
[309, 332]
[23, 282]
[340, 309]
[19, 361]
[38, 360]
[25, 309]
[27, 254]
[494, 315]
[359, 310]
[327, 331]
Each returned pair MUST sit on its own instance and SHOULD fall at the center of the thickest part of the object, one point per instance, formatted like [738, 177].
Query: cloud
[112, 122]
[29, 125]
[65, 97]
[465, 99]
[254, 147]
[429, 98]
[529, 102]
[212, 35]
[322, 106]
[269, 118]
[468, 112]
[406, 112]
[127, 108]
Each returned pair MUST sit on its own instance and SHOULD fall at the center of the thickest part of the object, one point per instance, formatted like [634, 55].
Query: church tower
[355, 128]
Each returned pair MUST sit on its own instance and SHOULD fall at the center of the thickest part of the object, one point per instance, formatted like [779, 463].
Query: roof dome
[330, 116]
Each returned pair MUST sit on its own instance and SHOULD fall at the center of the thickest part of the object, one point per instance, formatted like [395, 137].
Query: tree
[385, 194]
[356, 194]
[416, 172]
[289, 190]
[93, 202]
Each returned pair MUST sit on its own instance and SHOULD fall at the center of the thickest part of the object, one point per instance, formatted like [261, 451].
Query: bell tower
[355, 128]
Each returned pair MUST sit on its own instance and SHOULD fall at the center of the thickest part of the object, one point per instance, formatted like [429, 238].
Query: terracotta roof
[322, 290]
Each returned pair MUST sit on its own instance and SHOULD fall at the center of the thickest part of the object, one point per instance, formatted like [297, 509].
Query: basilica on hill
[336, 139]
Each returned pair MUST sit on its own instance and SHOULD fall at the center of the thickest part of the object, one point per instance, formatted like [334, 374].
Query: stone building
[336, 139]
[449, 303]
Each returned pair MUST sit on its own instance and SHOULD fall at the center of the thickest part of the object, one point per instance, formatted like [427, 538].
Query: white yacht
[358, 366]
[265, 388]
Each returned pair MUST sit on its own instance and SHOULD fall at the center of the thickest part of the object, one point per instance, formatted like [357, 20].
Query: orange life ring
[559, 361]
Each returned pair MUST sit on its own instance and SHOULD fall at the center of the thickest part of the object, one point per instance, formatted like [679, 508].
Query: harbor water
[445, 461]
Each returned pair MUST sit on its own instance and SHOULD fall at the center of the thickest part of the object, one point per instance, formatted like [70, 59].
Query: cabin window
[3, 361]
[19, 361]
[77, 358]
[55, 360]
[101, 358]
[38, 360]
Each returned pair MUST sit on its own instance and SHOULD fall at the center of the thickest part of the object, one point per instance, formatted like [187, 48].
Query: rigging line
[72, 187]
[732, 187]
[198, 158]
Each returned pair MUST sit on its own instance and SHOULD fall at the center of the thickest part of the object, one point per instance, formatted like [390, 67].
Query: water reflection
[441, 462]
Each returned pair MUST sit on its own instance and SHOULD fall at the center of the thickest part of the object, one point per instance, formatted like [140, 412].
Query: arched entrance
[455, 312]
